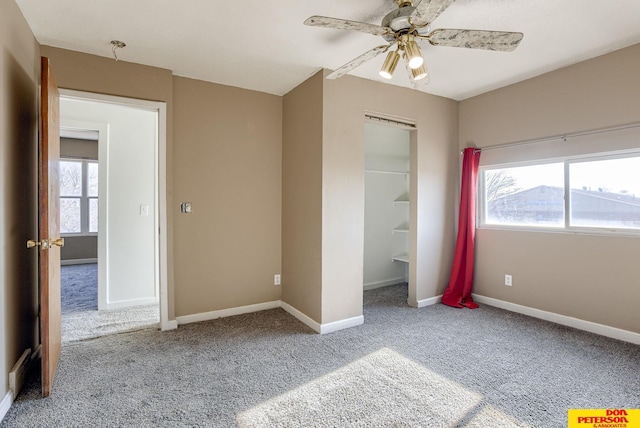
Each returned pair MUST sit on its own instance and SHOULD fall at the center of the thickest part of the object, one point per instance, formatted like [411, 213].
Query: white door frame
[161, 187]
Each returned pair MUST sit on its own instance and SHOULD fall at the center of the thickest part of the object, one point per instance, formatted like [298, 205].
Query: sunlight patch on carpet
[381, 389]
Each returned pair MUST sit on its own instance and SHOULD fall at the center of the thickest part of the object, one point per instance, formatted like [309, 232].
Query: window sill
[561, 230]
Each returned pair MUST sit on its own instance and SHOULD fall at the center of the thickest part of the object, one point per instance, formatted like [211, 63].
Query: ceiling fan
[406, 25]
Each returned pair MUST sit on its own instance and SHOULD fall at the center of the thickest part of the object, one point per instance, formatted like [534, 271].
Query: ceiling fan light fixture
[419, 73]
[390, 64]
[414, 55]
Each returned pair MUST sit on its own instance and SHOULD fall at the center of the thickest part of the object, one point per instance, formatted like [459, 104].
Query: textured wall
[302, 198]
[228, 164]
[19, 79]
[90, 73]
[594, 278]
[434, 160]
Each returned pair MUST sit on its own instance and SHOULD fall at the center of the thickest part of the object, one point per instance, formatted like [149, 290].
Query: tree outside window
[78, 197]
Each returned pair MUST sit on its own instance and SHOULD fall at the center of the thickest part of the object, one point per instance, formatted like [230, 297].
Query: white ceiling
[263, 44]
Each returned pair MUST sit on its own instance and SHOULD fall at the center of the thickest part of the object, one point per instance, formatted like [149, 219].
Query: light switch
[186, 207]
[144, 209]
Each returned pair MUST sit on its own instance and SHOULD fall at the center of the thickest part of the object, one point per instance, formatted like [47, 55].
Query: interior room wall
[19, 80]
[228, 164]
[589, 277]
[434, 158]
[77, 148]
[250, 128]
[80, 248]
[91, 73]
[302, 198]
[387, 149]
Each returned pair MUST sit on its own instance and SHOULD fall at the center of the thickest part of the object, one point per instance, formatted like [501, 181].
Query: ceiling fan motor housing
[398, 20]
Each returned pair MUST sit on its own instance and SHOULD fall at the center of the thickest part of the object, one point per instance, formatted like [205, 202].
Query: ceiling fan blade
[354, 63]
[428, 10]
[475, 39]
[345, 24]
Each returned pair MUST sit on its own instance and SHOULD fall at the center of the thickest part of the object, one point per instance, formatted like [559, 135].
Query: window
[578, 193]
[78, 197]
[527, 195]
[605, 193]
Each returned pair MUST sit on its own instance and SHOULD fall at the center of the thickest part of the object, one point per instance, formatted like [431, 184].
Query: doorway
[387, 234]
[131, 239]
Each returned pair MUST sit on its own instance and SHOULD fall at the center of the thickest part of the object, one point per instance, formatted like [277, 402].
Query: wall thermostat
[186, 208]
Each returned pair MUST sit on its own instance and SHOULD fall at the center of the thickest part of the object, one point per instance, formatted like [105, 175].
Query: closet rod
[563, 137]
[389, 121]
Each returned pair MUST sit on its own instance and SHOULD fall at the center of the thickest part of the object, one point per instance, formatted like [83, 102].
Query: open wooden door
[49, 228]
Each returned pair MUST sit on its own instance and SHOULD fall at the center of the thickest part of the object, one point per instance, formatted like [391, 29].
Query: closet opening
[387, 213]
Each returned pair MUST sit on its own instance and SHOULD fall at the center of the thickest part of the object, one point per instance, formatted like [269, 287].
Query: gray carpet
[80, 316]
[405, 367]
[79, 288]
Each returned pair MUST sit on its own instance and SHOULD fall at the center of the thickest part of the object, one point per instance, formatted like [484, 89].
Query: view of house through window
[526, 195]
[78, 197]
[602, 192]
[606, 193]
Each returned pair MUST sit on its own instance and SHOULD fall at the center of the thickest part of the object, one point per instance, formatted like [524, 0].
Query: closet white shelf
[402, 199]
[381, 171]
[404, 257]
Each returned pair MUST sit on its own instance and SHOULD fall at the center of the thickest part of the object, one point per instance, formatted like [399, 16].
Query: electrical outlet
[508, 280]
[276, 279]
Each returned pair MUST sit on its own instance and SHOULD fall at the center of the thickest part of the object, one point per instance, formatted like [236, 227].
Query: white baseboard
[315, 326]
[168, 325]
[5, 405]
[601, 329]
[206, 316]
[133, 302]
[77, 261]
[386, 283]
[430, 301]
[341, 325]
[322, 328]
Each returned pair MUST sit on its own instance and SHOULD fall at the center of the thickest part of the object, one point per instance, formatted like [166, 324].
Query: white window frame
[481, 203]
[84, 198]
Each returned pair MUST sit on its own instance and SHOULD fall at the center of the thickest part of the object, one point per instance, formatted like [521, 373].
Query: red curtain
[458, 292]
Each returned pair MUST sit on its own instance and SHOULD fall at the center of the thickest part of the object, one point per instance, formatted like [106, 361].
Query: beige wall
[302, 198]
[227, 163]
[19, 77]
[593, 94]
[434, 187]
[594, 278]
[79, 248]
[79, 149]
[91, 73]
[323, 191]
[224, 156]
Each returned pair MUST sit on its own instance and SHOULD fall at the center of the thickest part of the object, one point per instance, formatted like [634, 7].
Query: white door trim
[161, 187]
